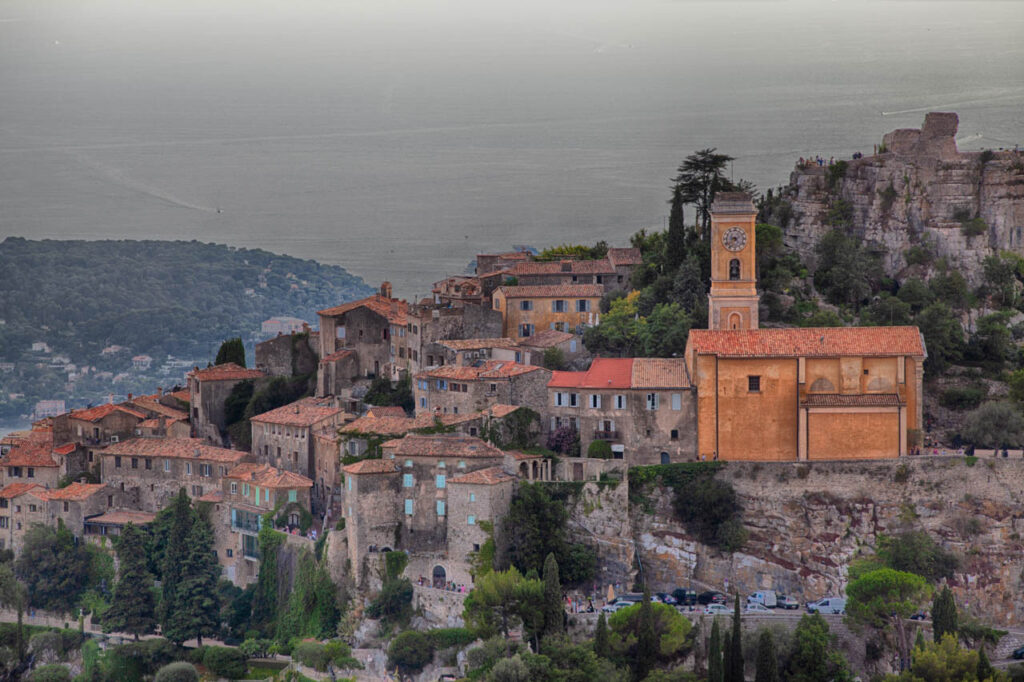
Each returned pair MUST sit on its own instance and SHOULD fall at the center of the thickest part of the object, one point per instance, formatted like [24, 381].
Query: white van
[827, 605]
[765, 598]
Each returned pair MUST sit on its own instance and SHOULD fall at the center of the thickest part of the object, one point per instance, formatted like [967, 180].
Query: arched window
[734, 269]
[735, 321]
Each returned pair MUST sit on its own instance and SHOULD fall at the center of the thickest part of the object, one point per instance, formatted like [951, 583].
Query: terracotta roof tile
[563, 267]
[338, 355]
[181, 396]
[476, 344]
[809, 342]
[65, 449]
[554, 291]
[305, 412]
[498, 411]
[625, 256]
[12, 490]
[267, 476]
[177, 448]
[94, 414]
[34, 451]
[214, 496]
[371, 466]
[386, 411]
[228, 371]
[862, 400]
[603, 373]
[660, 373]
[397, 426]
[77, 491]
[146, 404]
[392, 309]
[155, 423]
[546, 338]
[492, 369]
[488, 476]
[441, 445]
[121, 517]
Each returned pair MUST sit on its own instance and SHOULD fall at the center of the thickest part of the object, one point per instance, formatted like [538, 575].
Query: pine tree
[554, 614]
[232, 350]
[133, 609]
[736, 646]
[675, 242]
[944, 617]
[197, 609]
[646, 639]
[715, 654]
[985, 669]
[601, 646]
[767, 663]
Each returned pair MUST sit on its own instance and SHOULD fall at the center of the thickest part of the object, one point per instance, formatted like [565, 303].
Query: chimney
[129, 396]
[385, 289]
[159, 390]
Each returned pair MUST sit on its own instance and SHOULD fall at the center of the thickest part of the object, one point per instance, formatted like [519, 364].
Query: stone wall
[930, 181]
[441, 607]
[286, 355]
[806, 522]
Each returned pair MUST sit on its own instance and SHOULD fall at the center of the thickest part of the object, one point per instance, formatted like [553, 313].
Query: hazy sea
[400, 139]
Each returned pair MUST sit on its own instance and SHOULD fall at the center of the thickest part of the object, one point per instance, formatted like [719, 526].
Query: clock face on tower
[734, 239]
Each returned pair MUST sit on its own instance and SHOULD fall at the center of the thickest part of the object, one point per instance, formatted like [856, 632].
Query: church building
[800, 393]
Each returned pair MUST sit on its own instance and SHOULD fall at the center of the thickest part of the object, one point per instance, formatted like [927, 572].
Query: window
[3, 522]
[229, 552]
[293, 495]
[167, 465]
[734, 269]
[422, 383]
[117, 462]
[148, 462]
[652, 401]
[471, 520]
[559, 306]
[519, 356]
[595, 401]
[205, 470]
[348, 483]
[526, 305]
[407, 481]
[583, 306]
[266, 494]
[245, 490]
[677, 401]
[135, 462]
[561, 399]
[31, 472]
[442, 385]
[441, 464]
[408, 507]
[462, 464]
[188, 468]
[620, 402]
[574, 399]
[572, 346]
[234, 488]
[675, 434]
[439, 481]
[66, 505]
[31, 507]
[423, 402]
[440, 507]
[526, 330]
[754, 384]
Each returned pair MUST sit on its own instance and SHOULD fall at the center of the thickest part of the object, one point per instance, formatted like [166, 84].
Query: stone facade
[286, 355]
[733, 300]
[208, 388]
[527, 310]
[463, 390]
[374, 328]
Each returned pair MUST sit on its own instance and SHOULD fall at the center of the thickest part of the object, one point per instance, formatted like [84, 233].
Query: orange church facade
[800, 394]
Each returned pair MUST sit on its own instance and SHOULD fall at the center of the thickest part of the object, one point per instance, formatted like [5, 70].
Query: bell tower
[733, 301]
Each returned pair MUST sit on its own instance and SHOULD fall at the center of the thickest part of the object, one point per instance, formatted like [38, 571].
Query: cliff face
[806, 522]
[920, 188]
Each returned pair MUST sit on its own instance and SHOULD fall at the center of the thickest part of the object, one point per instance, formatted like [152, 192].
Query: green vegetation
[393, 604]
[56, 569]
[884, 599]
[179, 671]
[231, 350]
[944, 616]
[646, 635]
[134, 606]
[574, 251]
[599, 449]
[382, 393]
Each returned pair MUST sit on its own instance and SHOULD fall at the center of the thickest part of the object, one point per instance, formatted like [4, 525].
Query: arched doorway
[735, 321]
[664, 458]
[439, 577]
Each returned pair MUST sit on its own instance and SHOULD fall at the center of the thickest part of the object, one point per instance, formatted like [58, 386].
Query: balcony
[606, 435]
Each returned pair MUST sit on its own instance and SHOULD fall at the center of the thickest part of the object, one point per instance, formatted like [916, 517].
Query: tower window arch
[734, 269]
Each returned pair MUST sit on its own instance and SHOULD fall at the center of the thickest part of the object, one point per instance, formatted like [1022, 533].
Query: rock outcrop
[806, 522]
[919, 188]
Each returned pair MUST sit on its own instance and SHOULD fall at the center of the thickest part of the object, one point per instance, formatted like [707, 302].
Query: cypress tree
[985, 669]
[944, 617]
[715, 654]
[182, 518]
[727, 656]
[919, 640]
[232, 350]
[736, 646]
[675, 242]
[133, 609]
[767, 663]
[646, 639]
[601, 647]
[197, 608]
[554, 614]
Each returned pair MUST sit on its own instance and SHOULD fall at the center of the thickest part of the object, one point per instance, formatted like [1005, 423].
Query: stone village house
[25, 504]
[527, 310]
[452, 389]
[208, 388]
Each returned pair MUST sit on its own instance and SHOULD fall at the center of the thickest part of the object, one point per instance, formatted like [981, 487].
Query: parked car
[827, 605]
[711, 597]
[615, 606]
[783, 601]
[685, 596]
[717, 610]
[764, 597]
[756, 607]
[920, 615]
[1018, 653]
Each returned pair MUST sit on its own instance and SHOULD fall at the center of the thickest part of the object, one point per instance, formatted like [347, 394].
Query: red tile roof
[214, 496]
[228, 371]
[808, 342]
[625, 256]
[177, 448]
[304, 413]
[267, 476]
[12, 490]
[659, 373]
[863, 400]
[441, 445]
[603, 373]
[338, 355]
[121, 517]
[386, 411]
[371, 466]
[476, 344]
[155, 423]
[34, 451]
[488, 476]
[397, 426]
[181, 396]
[94, 414]
[554, 291]
[392, 309]
[65, 449]
[76, 492]
[546, 338]
[564, 267]
[492, 369]
[146, 404]
[498, 410]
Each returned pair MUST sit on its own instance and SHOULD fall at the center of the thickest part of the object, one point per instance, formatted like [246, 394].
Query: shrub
[599, 449]
[449, 637]
[394, 602]
[313, 654]
[340, 653]
[973, 227]
[565, 441]
[225, 661]
[411, 651]
[53, 672]
[46, 646]
[141, 659]
[963, 397]
[179, 671]
[256, 648]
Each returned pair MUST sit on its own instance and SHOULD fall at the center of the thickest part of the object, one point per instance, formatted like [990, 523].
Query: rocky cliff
[807, 521]
[918, 188]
